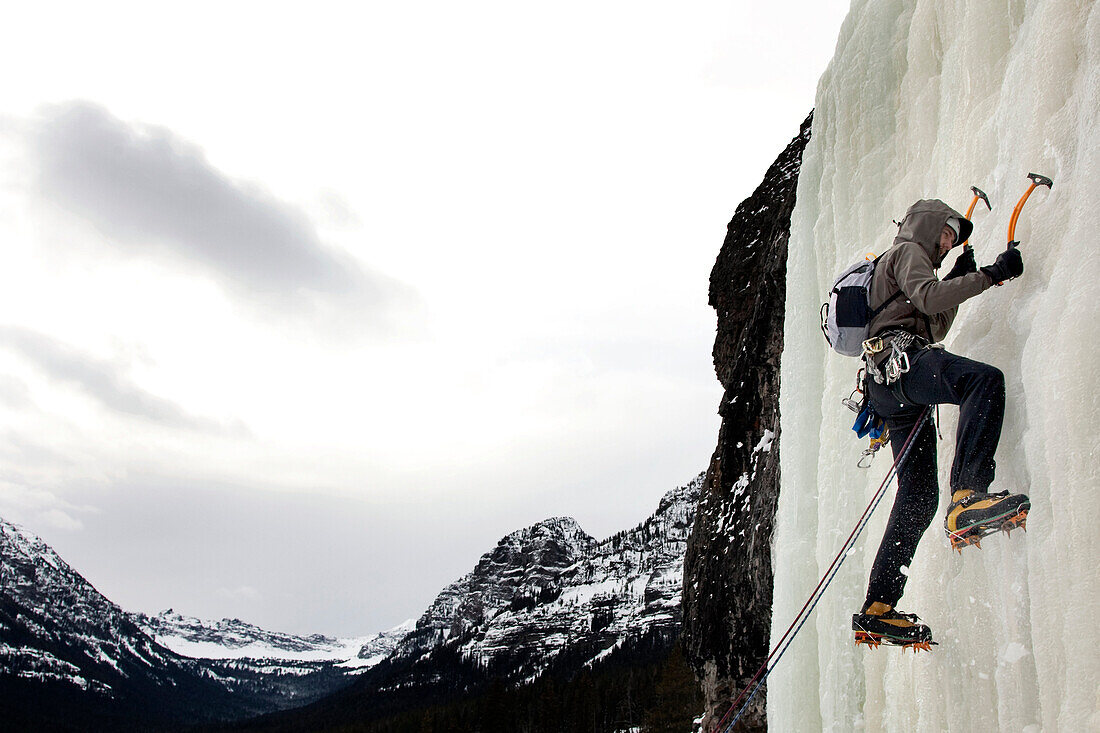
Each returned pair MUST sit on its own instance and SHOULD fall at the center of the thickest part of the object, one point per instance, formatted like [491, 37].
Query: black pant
[934, 377]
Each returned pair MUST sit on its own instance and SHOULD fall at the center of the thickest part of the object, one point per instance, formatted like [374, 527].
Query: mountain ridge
[235, 639]
[548, 595]
[62, 638]
[509, 623]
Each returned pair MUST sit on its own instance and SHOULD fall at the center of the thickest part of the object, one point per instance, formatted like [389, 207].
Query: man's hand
[964, 264]
[1009, 264]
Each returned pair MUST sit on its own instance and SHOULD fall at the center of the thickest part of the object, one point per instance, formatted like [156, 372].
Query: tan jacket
[910, 265]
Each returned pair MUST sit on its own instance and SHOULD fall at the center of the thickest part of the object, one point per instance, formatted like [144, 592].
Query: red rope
[838, 559]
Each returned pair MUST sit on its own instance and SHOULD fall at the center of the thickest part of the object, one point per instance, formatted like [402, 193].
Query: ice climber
[907, 370]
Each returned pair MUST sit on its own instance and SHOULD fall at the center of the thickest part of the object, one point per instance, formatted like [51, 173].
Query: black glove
[964, 264]
[1009, 264]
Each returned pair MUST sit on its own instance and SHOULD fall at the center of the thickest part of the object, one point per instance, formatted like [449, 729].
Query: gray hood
[923, 223]
[929, 305]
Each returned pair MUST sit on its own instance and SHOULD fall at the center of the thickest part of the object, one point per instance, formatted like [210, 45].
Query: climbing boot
[879, 623]
[975, 514]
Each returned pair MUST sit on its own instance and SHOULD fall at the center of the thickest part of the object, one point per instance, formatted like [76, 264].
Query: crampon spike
[918, 646]
[959, 541]
[864, 638]
[1020, 520]
[974, 535]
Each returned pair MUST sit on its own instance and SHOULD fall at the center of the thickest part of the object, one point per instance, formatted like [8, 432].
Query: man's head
[949, 236]
[928, 222]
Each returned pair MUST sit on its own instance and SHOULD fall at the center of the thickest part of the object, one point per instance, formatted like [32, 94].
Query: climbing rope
[780, 648]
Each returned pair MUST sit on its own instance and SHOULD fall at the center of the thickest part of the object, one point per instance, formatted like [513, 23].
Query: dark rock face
[728, 571]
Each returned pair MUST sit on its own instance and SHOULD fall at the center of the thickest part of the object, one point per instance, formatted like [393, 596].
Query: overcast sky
[301, 311]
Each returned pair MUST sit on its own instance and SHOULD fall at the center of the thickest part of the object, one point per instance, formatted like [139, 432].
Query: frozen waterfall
[922, 100]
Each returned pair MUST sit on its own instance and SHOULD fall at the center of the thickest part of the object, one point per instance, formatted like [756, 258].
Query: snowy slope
[235, 639]
[925, 99]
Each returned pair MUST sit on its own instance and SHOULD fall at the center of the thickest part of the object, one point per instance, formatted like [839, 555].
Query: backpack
[846, 317]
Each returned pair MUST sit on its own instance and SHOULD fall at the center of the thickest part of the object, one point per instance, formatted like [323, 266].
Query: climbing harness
[901, 343]
[784, 643]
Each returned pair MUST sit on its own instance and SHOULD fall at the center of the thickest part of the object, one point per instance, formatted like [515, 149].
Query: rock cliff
[728, 569]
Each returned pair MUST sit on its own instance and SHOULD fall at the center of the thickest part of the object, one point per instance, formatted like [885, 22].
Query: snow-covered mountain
[544, 593]
[541, 590]
[64, 646]
[551, 588]
[235, 639]
[62, 643]
[925, 99]
[547, 600]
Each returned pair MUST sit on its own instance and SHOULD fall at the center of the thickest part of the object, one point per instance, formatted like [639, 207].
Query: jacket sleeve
[941, 323]
[934, 297]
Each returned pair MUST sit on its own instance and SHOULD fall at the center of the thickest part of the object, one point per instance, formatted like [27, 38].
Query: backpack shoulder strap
[888, 301]
[891, 299]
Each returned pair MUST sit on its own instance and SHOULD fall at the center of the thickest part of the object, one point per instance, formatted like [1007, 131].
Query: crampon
[974, 534]
[866, 638]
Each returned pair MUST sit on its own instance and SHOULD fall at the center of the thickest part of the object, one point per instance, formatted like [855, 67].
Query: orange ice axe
[1036, 180]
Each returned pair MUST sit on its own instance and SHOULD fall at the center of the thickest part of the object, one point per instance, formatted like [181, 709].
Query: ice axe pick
[978, 194]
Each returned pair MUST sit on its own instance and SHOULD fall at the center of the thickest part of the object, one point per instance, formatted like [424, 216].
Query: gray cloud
[306, 562]
[104, 381]
[151, 191]
[37, 508]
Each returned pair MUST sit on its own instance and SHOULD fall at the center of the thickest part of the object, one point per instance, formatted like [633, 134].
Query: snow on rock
[551, 587]
[924, 99]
